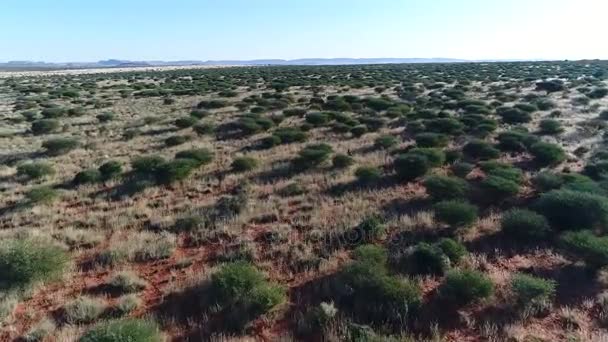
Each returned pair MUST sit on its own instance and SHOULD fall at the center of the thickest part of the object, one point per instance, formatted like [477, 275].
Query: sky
[91, 30]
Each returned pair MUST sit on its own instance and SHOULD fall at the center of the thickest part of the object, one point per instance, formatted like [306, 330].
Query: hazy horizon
[74, 31]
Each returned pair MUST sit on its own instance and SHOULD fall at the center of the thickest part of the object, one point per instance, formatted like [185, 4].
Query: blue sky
[90, 30]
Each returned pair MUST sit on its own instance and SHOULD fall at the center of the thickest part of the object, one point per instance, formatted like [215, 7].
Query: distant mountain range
[118, 63]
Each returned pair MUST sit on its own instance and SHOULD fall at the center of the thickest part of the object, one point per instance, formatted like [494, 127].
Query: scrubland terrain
[422, 202]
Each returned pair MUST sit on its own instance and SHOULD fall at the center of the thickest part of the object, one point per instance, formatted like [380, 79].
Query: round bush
[550, 127]
[427, 259]
[479, 149]
[126, 330]
[411, 166]
[26, 261]
[203, 128]
[60, 146]
[455, 213]
[147, 165]
[445, 187]
[201, 156]
[573, 210]
[89, 176]
[465, 286]
[530, 290]
[105, 117]
[453, 249]
[175, 170]
[498, 187]
[317, 119]
[368, 175]
[385, 141]
[35, 170]
[342, 161]
[110, 169]
[44, 126]
[185, 122]
[176, 140]
[288, 135]
[546, 181]
[358, 130]
[312, 156]
[434, 156]
[431, 140]
[243, 164]
[525, 225]
[41, 195]
[547, 153]
[586, 245]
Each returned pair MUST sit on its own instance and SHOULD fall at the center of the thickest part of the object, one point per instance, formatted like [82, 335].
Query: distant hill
[115, 63]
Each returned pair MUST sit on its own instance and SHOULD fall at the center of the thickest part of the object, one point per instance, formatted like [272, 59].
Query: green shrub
[27, 261]
[453, 249]
[515, 141]
[462, 169]
[550, 127]
[342, 161]
[175, 170]
[427, 259]
[84, 310]
[506, 171]
[312, 156]
[44, 126]
[525, 225]
[586, 245]
[176, 140]
[127, 330]
[479, 149]
[385, 141]
[41, 195]
[431, 140]
[371, 254]
[204, 128]
[445, 187]
[514, 115]
[547, 153]
[455, 212]
[58, 146]
[370, 228]
[105, 117]
[243, 290]
[531, 290]
[289, 135]
[110, 169]
[546, 181]
[147, 165]
[317, 119]
[127, 304]
[292, 189]
[201, 156]
[499, 188]
[465, 286]
[185, 122]
[199, 114]
[573, 210]
[434, 156]
[35, 170]
[244, 164]
[53, 112]
[368, 175]
[358, 130]
[126, 282]
[89, 176]
[411, 166]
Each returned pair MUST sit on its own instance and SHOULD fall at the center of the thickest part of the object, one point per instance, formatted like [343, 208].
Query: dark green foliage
[58, 146]
[465, 286]
[243, 164]
[105, 117]
[41, 195]
[455, 212]
[370, 229]
[358, 130]
[427, 259]
[370, 253]
[515, 141]
[453, 249]
[550, 127]
[411, 166]
[431, 140]
[199, 114]
[185, 122]
[202, 156]
[550, 86]
[530, 290]
[89, 176]
[525, 225]
[547, 153]
[147, 165]
[26, 261]
[506, 171]
[44, 126]
[462, 169]
[53, 112]
[584, 244]
[317, 119]
[110, 169]
[445, 187]
[176, 140]
[573, 210]
[498, 188]
[514, 115]
[270, 141]
[434, 156]
[312, 156]
[175, 170]
[342, 161]
[203, 128]
[597, 93]
[292, 189]
[385, 141]
[546, 181]
[479, 149]
[289, 135]
[368, 175]
[126, 330]
[212, 104]
[35, 170]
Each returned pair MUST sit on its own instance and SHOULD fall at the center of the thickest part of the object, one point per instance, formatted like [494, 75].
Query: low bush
[317, 119]
[201, 156]
[204, 128]
[431, 140]
[368, 175]
[479, 149]
[44, 126]
[126, 282]
[445, 187]
[453, 249]
[525, 225]
[530, 290]
[435, 156]
[385, 141]
[547, 153]
[59, 146]
[175, 170]
[547, 181]
[411, 166]
[185, 122]
[498, 188]
[312, 156]
[370, 228]
[127, 304]
[573, 210]
[84, 310]
[586, 245]
[550, 127]
[176, 140]
[465, 286]
[110, 170]
[462, 169]
[126, 330]
[244, 164]
[342, 161]
[41, 195]
[36, 170]
[26, 261]
[105, 117]
[147, 165]
[292, 189]
[288, 135]
[358, 130]
[514, 115]
[455, 212]
[427, 259]
[89, 176]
